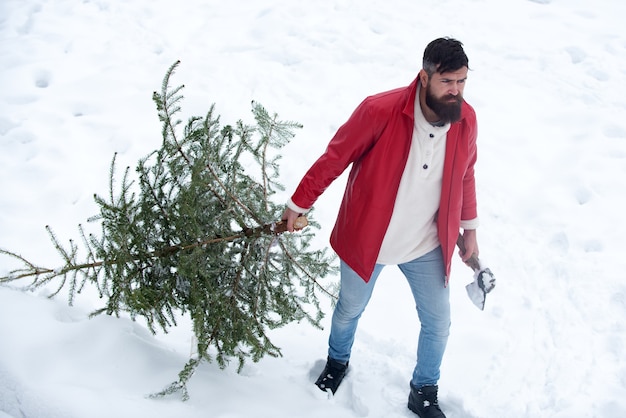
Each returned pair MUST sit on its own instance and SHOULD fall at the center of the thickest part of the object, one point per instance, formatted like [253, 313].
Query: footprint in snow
[43, 79]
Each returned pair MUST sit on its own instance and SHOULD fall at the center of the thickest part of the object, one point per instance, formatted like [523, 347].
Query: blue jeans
[426, 277]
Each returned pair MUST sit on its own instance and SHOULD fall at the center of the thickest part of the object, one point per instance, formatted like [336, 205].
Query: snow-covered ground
[548, 82]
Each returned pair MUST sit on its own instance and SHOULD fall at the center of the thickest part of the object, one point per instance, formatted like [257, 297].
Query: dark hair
[444, 55]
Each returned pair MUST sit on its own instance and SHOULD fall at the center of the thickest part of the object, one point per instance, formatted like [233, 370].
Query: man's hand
[290, 216]
[471, 245]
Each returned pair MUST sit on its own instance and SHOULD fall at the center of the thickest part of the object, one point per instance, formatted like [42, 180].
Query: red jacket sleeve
[352, 140]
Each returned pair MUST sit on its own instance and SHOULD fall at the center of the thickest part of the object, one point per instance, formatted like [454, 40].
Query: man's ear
[423, 75]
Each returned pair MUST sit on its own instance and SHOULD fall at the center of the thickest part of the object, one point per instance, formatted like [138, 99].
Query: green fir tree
[195, 234]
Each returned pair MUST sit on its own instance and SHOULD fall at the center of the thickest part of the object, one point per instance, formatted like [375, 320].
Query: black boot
[423, 402]
[332, 375]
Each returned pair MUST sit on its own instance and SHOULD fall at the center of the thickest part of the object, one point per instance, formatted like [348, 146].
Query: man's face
[444, 94]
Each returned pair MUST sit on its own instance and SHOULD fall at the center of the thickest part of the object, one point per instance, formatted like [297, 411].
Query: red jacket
[376, 141]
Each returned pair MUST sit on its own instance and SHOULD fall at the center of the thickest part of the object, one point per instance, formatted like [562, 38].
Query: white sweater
[412, 231]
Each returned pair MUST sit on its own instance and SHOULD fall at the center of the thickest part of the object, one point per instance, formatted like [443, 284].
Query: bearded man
[410, 192]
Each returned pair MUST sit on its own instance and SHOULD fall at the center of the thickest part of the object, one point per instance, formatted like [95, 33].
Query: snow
[548, 84]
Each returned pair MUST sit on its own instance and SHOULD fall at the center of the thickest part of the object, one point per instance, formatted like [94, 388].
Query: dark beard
[445, 110]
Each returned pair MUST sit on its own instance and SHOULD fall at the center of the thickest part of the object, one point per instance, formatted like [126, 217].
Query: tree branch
[31, 270]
